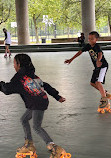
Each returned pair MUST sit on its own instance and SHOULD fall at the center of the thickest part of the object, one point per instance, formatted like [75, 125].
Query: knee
[23, 121]
[97, 83]
[37, 128]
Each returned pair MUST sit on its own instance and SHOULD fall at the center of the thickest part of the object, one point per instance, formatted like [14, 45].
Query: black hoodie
[30, 87]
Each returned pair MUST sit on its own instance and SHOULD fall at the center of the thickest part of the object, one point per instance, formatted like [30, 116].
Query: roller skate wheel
[98, 110]
[102, 111]
[66, 155]
[109, 110]
[35, 156]
[31, 152]
[19, 156]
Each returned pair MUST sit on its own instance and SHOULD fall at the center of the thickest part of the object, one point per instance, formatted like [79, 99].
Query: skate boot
[28, 146]
[56, 151]
[104, 105]
[5, 56]
[108, 95]
[10, 55]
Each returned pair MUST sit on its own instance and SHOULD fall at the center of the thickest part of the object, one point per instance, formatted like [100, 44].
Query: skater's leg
[56, 151]
[94, 85]
[28, 146]
[6, 47]
[99, 86]
[8, 50]
[101, 89]
[94, 78]
[25, 122]
[98, 77]
[37, 122]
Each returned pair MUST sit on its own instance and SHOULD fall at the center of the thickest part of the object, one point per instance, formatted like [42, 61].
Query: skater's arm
[53, 92]
[100, 54]
[10, 87]
[99, 63]
[5, 36]
[68, 61]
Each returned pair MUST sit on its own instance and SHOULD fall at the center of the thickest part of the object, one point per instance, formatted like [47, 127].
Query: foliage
[64, 13]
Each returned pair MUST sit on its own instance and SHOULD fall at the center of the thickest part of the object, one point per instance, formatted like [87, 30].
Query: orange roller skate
[5, 56]
[57, 151]
[104, 105]
[28, 149]
[23, 155]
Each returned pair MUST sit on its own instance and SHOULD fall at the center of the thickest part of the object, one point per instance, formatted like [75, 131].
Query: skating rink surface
[75, 124]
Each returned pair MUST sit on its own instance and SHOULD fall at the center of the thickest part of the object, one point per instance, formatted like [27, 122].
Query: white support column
[22, 21]
[88, 16]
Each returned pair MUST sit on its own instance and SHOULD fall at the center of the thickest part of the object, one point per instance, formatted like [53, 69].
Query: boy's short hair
[95, 33]
[82, 33]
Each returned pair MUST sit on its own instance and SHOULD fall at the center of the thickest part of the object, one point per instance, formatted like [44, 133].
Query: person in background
[81, 40]
[7, 41]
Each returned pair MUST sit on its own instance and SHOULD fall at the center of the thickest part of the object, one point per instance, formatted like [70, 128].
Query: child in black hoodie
[30, 87]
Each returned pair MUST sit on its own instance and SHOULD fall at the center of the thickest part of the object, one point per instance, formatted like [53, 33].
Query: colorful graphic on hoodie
[32, 86]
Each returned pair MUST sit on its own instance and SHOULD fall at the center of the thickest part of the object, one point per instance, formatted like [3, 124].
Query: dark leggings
[37, 116]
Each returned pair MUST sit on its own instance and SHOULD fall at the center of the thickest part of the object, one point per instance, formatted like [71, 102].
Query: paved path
[75, 124]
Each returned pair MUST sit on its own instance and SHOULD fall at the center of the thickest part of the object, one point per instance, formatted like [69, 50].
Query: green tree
[53, 10]
[71, 14]
[37, 9]
[5, 9]
[103, 13]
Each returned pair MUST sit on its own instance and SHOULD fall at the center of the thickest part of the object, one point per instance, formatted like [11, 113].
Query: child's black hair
[95, 33]
[24, 60]
[4, 29]
[82, 34]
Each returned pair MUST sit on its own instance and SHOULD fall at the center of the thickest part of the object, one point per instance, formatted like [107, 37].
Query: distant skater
[81, 40]
[100, 64]
[7, 41]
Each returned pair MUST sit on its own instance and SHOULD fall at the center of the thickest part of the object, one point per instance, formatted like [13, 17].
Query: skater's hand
[62, 99]
[68, 61]
[98, 63]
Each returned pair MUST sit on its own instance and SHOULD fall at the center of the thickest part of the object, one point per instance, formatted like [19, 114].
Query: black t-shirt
[93, 52]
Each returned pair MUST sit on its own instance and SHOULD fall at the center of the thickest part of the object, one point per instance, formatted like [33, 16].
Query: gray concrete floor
[75, 125]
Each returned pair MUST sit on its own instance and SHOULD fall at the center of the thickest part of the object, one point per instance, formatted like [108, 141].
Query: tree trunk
[55, 31]
[36, 29]
[109, 22]
[110, 29]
